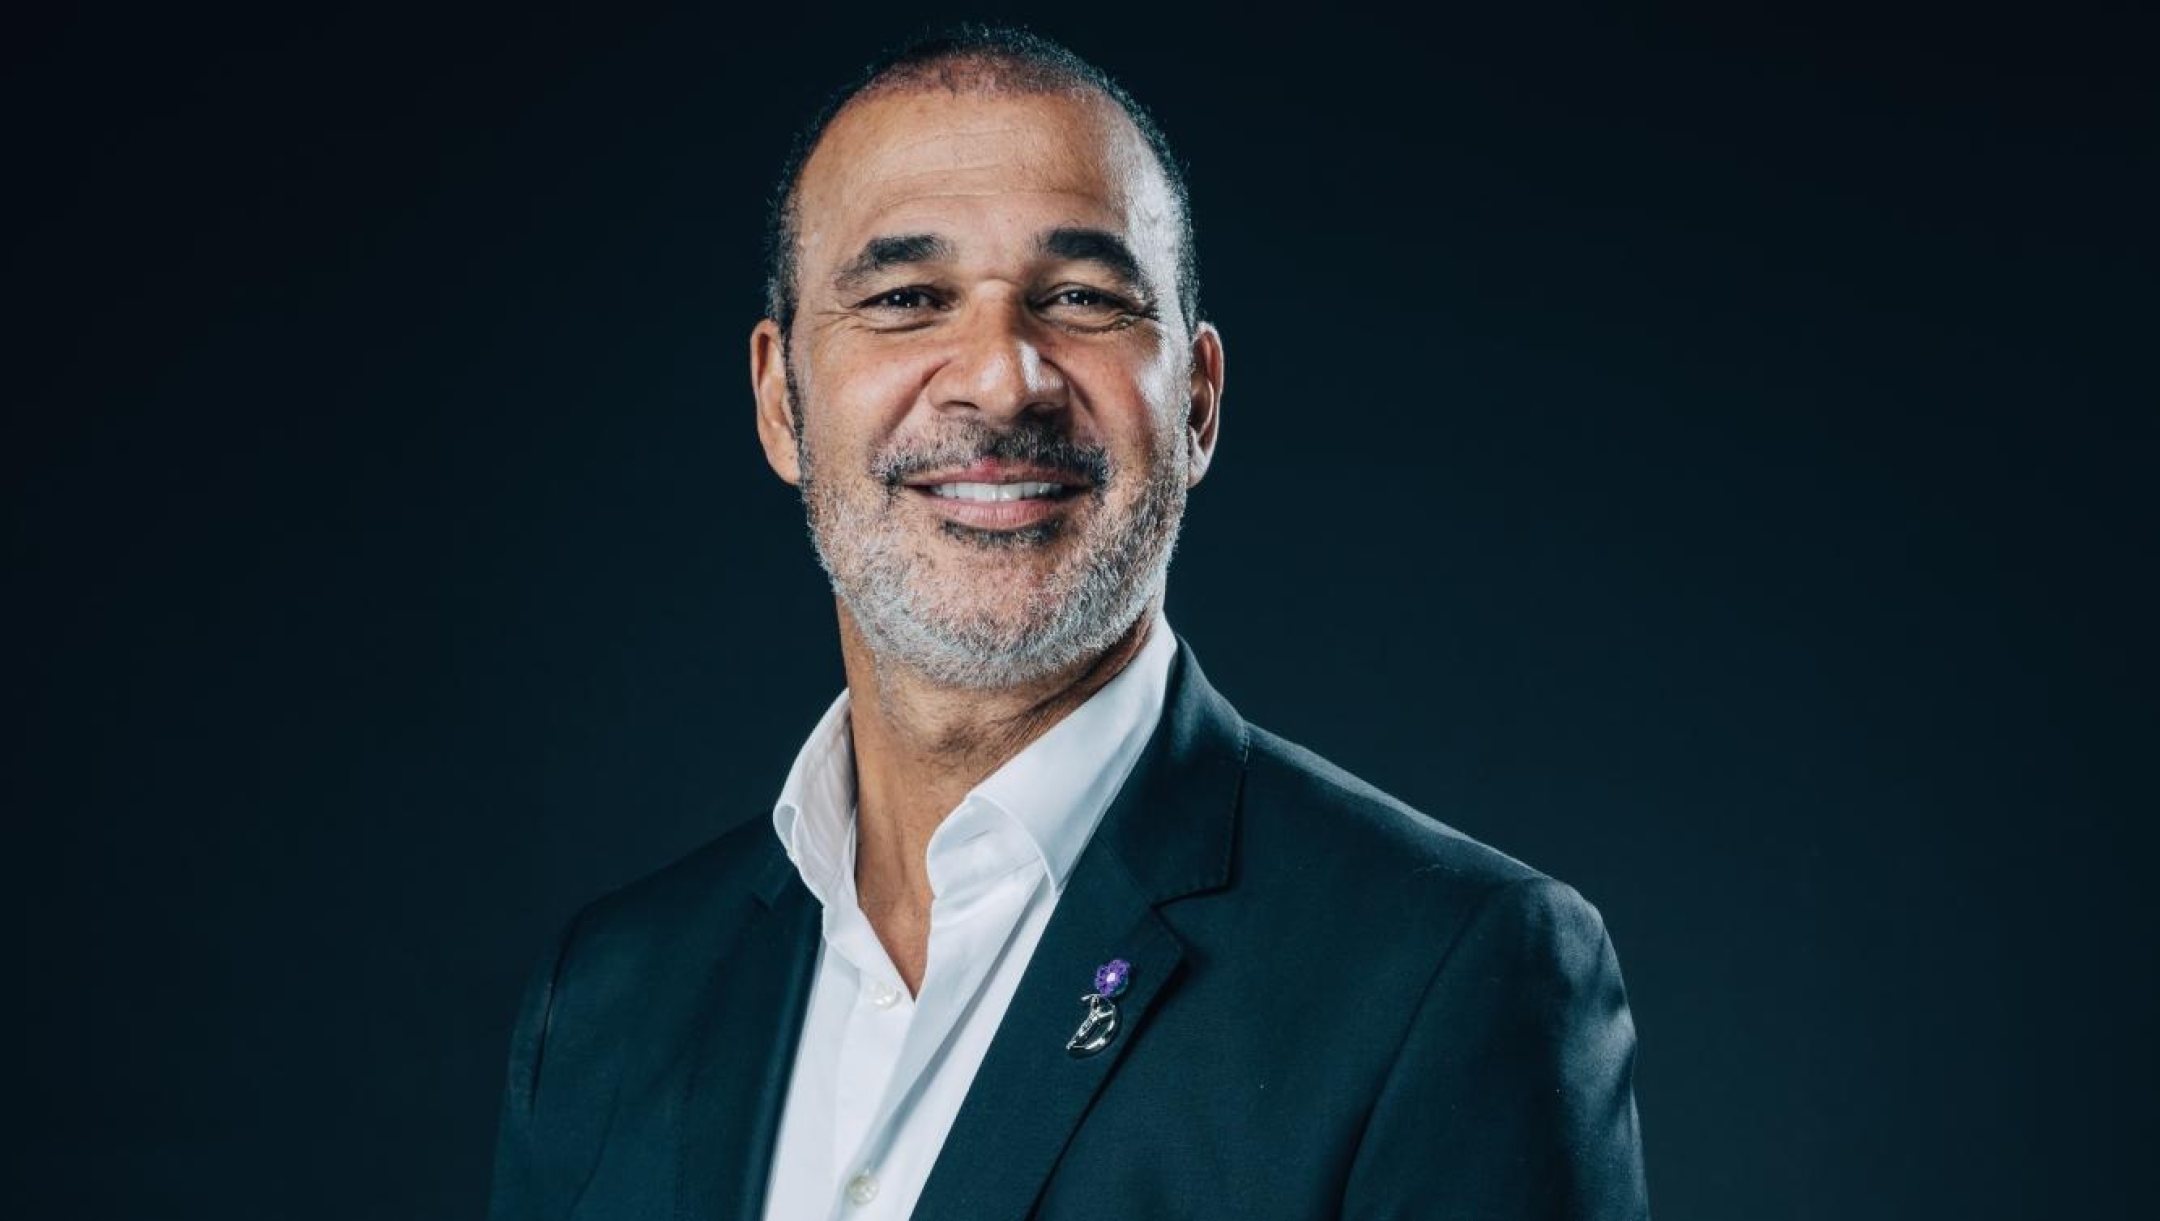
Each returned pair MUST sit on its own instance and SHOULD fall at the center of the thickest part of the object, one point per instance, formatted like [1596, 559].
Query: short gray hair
[968, 58]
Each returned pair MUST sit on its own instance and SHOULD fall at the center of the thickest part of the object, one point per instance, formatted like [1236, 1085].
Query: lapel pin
[1100, 1024]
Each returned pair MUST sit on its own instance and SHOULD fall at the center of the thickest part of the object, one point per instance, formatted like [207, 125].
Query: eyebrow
[1099, 246]
[882, 254]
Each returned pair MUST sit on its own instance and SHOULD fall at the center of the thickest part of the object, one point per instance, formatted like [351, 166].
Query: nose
[997, 365]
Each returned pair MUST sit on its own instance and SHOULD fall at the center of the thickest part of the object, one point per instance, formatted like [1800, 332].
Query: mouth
[996, 495]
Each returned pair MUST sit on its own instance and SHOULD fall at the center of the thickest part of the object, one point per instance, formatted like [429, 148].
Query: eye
[902, 299]
[1091, 307]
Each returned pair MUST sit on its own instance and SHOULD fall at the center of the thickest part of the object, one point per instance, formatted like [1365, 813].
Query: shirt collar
[1053, 792]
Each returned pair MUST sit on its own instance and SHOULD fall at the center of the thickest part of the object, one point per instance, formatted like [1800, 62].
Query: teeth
[994, 491]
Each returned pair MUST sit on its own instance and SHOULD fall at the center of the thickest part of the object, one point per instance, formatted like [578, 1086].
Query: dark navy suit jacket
[1337, 1007]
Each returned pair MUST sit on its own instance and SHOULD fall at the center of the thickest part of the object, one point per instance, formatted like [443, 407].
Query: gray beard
[1070, 621]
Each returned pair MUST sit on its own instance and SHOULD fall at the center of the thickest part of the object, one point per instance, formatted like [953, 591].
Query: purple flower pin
[1101, 1023]
[1111, 977]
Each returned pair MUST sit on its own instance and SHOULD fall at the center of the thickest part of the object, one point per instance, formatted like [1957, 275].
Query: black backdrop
[1707, 457]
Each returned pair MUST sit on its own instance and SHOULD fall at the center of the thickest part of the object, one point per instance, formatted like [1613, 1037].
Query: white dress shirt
[879, 1075]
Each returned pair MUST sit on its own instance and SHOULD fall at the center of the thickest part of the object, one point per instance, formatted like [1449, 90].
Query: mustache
[1038, 444]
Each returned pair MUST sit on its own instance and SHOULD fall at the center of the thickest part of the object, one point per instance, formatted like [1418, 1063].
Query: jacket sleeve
[1512, 1097]
[515, 1194]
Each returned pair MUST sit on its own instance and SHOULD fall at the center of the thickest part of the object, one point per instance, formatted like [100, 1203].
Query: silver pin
[1096, 1029]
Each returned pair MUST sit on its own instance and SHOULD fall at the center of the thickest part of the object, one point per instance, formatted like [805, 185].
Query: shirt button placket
[862, 1188]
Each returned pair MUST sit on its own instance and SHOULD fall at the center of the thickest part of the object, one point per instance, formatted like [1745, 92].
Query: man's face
[1000, 408]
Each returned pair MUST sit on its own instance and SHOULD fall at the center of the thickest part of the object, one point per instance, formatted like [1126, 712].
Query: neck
[920, 747]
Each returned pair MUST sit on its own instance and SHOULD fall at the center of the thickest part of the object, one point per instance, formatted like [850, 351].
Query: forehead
[932, 161]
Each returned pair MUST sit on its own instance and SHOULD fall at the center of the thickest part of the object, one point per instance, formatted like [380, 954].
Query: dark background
[1708, 457]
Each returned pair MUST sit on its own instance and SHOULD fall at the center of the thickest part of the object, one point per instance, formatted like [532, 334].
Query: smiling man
[1039, 925]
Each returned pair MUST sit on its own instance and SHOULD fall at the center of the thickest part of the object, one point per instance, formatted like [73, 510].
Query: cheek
[853, 398]
[882, 381]
[1130, 392]
[1167, 389]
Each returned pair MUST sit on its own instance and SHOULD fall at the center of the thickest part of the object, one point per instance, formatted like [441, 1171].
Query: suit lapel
[743, 1052]
[1168, 834]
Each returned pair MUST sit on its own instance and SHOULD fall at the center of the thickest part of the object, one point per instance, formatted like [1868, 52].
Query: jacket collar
[1046, 800]
[1169, 833]
[1171, 825]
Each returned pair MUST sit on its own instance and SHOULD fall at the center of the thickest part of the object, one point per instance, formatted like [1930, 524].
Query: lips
[995, 495]
[992, 470]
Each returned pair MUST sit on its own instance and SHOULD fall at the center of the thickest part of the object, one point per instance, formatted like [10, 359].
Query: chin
[973, 639]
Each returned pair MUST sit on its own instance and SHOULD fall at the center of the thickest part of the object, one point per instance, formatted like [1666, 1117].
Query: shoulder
[1293, 791]
[648, 944]
[1316, 833]
[650, 911]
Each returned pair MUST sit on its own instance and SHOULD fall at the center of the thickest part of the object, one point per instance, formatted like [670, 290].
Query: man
[1040, 926]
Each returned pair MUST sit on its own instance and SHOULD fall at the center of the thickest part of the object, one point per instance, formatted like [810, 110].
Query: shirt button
[862, 1188]
[884, 996]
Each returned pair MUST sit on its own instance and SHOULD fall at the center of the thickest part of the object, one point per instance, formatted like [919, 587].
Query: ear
[1205, 418]
[776, 422]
